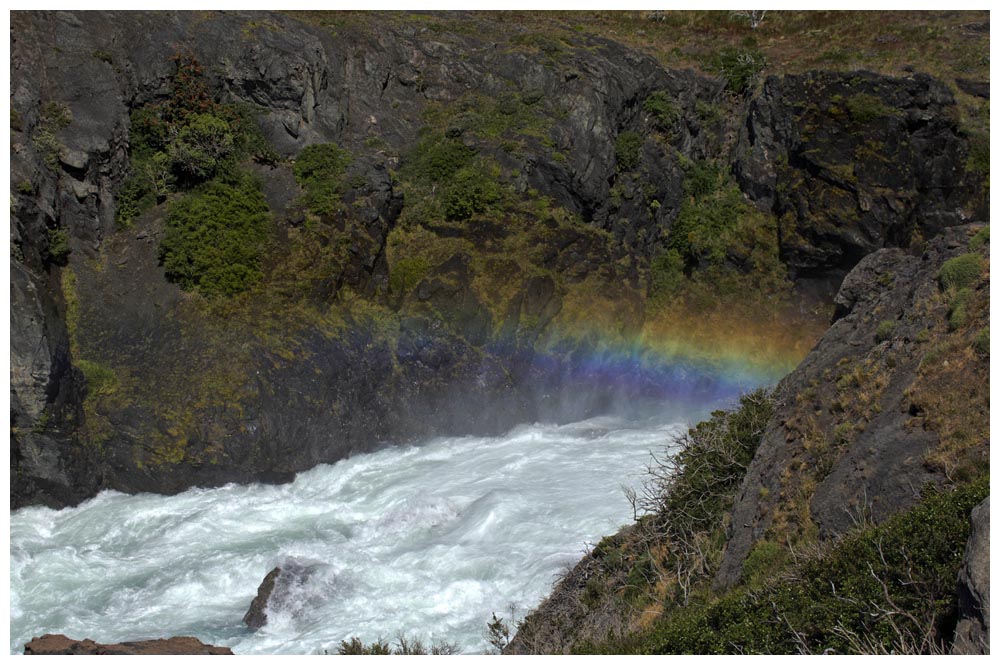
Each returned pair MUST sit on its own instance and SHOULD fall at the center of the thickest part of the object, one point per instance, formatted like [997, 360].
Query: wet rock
[277, 588]
[256, 616]
[60, 645]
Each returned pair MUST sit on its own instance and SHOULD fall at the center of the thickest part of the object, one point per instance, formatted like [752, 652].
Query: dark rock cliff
[194, 393]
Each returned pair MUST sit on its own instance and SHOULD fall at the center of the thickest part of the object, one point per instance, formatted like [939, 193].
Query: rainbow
[671, 366]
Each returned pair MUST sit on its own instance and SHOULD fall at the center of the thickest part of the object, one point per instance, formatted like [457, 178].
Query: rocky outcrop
[60, 645]
[851, 163]
[870, 416]
[972, 634]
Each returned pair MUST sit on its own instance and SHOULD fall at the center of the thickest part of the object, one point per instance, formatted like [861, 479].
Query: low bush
[404, 646]
[437, 158]
[689, 493]
[885, 331]
[740, 68]
[961, 271]
[58, 246]
[628, 150]
[53, 117]
[185, 140]
[319, 170]
[666, 275]
[664, 112]
[470, 191]
[980, 240]
[982, 343]
[214, 238]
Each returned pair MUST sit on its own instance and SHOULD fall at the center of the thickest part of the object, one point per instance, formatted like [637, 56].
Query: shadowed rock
[972, 634]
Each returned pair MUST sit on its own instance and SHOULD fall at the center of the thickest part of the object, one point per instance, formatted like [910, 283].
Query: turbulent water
[425, 540]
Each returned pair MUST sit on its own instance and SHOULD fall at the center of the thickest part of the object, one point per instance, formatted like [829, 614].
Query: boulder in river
[275, 590]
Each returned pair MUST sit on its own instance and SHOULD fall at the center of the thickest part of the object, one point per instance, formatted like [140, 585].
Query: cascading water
[425, 540]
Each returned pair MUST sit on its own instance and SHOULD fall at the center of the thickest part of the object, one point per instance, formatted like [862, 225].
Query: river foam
[426, 540]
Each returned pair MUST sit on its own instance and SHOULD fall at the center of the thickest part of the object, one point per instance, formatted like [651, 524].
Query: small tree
[498, 633]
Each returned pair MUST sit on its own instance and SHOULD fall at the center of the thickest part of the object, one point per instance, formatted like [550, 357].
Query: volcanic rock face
[60, 645]
[176, 396]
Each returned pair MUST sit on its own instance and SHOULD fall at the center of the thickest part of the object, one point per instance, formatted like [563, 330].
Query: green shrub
[319, 170]
[665, 113]
[406, 273]
[980, 240]
[437, 158]
[711, 464]
[471, 190]
[628, 150]
[765, 560]
[982, 343]
[741, 68]
[961, 271]
[885, 331]
[688, 494]
[699, 230]
[52, 118]
[666, 275]
[355, 647]
[702, 178]
[185, 140]
[58, 246]
[958, 308]
[201, 147]
[214, 238]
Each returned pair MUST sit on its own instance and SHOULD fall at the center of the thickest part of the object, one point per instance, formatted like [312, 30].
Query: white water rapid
[425, 540]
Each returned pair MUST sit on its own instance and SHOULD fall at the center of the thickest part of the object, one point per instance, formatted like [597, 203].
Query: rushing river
[426, 540]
